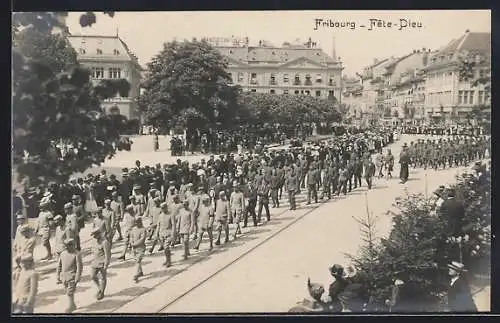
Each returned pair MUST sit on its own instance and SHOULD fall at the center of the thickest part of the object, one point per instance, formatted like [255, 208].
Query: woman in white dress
[90, 203]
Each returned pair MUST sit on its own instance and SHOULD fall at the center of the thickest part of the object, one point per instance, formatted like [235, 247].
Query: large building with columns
[292, 68]
[108, 57]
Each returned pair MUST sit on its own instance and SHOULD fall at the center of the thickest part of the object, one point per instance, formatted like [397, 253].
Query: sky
[357, 46]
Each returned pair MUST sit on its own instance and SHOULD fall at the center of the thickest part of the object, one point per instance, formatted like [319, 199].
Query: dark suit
[460, 297]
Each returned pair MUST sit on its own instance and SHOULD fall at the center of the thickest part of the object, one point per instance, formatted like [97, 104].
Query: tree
[58, 123]
[187, 84]
[469, 62]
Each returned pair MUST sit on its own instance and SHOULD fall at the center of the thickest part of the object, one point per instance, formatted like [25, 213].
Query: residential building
[109, 57]
[293, 68]
[405, 79]
[447, 96]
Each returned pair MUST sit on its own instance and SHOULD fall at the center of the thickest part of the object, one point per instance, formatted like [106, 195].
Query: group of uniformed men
[180, 203]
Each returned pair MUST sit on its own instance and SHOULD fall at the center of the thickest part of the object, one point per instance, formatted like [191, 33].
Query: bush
[420, 245]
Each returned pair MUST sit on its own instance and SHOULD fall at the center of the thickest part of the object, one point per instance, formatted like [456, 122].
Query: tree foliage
[187, 82]
[58, 122]
[273, 108]
[469, 62]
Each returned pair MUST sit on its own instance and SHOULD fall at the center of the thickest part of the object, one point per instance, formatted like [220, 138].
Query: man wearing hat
[101, 256]
[25, 242]
[117, 207]
[237, 205]
[125, 187]
[18, 206]
[404, 161]
[154, 215]
[72, 227]
[71, 271]
[139, 198]
[135, 205]
[43, 228]
[185, 226]
[138, 242]
[100, 222]
[453, 211]
[167, 230]
[59, 246]
[128, 224]
[222, 213]
[459, 294]
[291, 186]
[205, 220]
[111, 218]
[20, 220]
[26, 286]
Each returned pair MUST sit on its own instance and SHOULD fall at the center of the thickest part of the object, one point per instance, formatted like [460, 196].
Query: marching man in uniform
[167, 231]
[205, 221]
[237, 205]
[26, 286]
[117, 207]
[43, 228]
[185, 226]
[101, 253]
[60, 236]
[71, 271]
[128, 224]
[138, 242]
[222, 212]
[291, 184]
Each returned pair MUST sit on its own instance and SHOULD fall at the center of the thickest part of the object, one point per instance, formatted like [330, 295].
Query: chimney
[334, 52]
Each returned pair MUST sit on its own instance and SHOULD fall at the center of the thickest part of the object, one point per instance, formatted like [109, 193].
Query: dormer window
[82, 51]
[116, 52]
[99, 51]
[230, 51]
[274, 53]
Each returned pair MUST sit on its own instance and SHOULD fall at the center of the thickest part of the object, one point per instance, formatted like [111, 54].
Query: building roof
[274, 55]
[469, 42]
[111, 48]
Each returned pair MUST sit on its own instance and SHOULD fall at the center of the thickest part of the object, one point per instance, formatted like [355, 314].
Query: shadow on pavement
[164, 272]
[131, 291]
[106, 304]
[87, 277]
[58, 292]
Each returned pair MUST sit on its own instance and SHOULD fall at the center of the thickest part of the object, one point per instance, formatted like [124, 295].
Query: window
[330, 82]
[231, 76]
[296, 91]
[318, 93]
[82, 51]
[253, 90]
[471, 97]
[253, 78]
[285, 91]
[240, 77]
[307, 92]
[480, 97]
[114, 73]
[447, 97]
[273, 79]
[319, 78]
[285, 78]
[116, 52]
[97, 72]
[308, 79]
[272, 91]
[99, 51]
[330, 93]
[297, 79]
[450, 56]
[230, 51]
[466, 97]
[461, 98]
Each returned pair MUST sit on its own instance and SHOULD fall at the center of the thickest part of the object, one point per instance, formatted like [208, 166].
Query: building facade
[289, 69]
[108, 57]
[447, 96]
